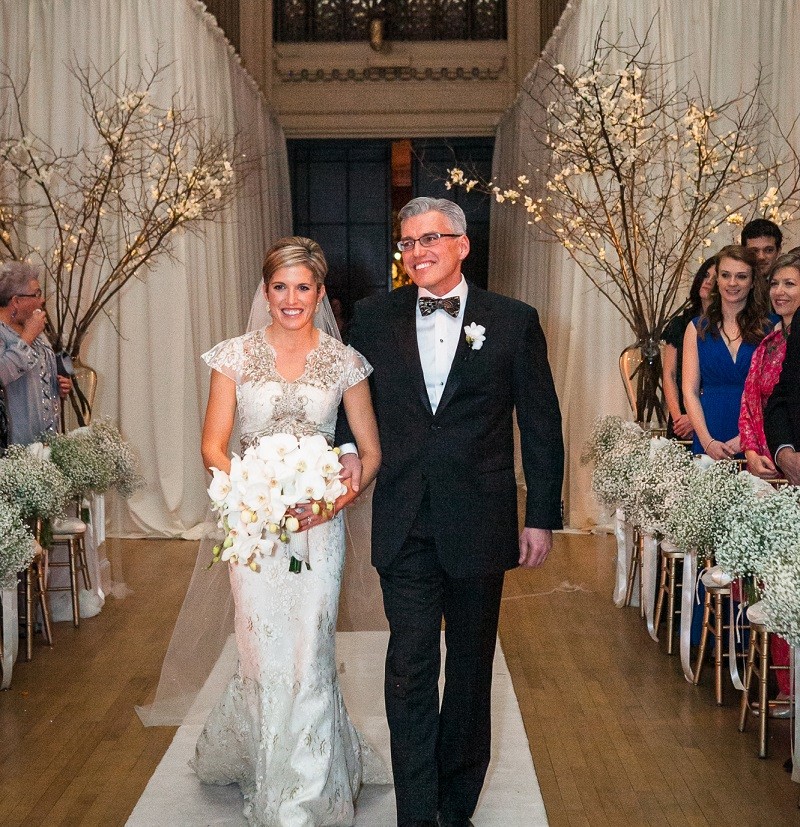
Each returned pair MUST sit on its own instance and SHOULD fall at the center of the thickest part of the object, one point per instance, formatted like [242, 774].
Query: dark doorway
[346, 192]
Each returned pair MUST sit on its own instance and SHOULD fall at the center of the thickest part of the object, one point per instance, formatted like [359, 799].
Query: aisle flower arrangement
[661, 486]
[618, 463]
[253, 500]
[39, 480]
[17, 546]
[748, 527]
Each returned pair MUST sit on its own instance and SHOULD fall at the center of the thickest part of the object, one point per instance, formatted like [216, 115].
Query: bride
[281, 730]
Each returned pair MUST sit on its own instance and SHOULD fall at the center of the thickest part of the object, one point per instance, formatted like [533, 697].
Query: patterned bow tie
[450, 305]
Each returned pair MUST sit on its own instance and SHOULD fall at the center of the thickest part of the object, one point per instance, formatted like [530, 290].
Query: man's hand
[534, 546]
[351, 471]
[761, 466]
[789, 462]
[683, 427]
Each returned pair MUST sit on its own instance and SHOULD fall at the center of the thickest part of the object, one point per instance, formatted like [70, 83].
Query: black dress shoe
[455, 821]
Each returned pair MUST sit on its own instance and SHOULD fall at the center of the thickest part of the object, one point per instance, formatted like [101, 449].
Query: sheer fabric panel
[151, 379]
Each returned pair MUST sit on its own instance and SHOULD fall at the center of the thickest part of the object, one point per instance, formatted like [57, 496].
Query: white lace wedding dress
[281, 730]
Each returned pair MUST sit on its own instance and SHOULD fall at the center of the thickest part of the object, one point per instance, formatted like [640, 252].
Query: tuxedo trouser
[439, 756]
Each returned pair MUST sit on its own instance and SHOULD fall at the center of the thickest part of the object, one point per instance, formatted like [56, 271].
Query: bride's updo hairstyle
[292, 251]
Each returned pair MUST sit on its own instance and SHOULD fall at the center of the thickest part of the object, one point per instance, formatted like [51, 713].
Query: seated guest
[764, 237]
[765, 367]
[27, 363]
[678, 425]
[717, 349]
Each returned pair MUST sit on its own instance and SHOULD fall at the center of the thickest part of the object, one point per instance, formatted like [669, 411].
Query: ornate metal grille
[341, 20]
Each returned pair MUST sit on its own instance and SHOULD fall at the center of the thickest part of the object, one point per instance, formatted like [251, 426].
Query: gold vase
[78, 405]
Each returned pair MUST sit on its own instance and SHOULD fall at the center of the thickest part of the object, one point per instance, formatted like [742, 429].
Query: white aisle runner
[510, 798]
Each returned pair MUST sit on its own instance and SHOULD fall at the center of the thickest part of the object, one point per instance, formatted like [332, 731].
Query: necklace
[728, 339]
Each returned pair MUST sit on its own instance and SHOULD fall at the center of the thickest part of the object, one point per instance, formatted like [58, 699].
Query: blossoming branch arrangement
[100, 215]
[635, 177]
[253, 500]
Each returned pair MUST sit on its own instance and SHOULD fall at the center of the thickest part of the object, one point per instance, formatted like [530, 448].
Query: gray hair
[14, 279]
[449, 209]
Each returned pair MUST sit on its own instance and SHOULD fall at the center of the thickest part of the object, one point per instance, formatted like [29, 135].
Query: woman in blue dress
[717, 349]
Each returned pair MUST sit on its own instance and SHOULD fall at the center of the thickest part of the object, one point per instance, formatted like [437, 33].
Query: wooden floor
[617, 735]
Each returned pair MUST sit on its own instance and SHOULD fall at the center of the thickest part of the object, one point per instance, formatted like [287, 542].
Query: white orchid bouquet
[17, 546]
[254, 499]
[661, 486]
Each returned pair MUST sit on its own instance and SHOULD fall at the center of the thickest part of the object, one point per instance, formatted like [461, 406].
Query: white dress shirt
[437, 338]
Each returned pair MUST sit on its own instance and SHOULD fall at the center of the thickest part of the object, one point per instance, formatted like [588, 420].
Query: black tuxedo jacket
[782, 413]
[464, 453]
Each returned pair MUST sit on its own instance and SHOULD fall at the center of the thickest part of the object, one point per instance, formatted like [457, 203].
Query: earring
[14, 313]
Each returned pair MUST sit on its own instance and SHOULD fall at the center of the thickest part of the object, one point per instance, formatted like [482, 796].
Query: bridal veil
[205, 621]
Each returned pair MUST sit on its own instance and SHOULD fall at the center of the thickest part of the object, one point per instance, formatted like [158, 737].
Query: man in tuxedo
[452, 363]
[782, 413]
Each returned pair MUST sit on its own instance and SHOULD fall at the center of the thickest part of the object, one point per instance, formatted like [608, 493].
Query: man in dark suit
[782, 413]
[452, 363]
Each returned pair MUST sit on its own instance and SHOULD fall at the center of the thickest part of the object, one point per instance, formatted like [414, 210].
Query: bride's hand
[317, 512]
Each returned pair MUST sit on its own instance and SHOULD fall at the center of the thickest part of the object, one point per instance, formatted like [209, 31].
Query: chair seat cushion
[68, 526]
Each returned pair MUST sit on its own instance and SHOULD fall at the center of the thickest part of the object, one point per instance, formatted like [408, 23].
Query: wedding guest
[678, 424]
[717, 349]
[782, 414]
[765, 367]
[764, 237]
[28, 372]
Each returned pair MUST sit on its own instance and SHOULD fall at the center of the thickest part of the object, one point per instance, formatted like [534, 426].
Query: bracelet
[709, 444]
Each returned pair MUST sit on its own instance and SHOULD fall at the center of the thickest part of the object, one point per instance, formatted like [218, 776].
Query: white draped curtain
[721, 43]
[151, 380]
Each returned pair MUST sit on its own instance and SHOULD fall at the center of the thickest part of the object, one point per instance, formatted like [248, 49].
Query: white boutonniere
[476, 335]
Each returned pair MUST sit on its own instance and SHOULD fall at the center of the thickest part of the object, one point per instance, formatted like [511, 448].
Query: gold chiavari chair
[70, 532]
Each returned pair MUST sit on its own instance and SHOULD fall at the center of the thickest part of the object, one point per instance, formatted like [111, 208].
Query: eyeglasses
[405, 245]
[37, 295]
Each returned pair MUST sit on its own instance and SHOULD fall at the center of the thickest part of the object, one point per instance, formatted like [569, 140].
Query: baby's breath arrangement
[616, 468]
[17, 547]
[781, 597]
[700, 519]
[81, 460]
[760, 527]
[31, 484]
[107, 439]
[605, 434]
[661, 486]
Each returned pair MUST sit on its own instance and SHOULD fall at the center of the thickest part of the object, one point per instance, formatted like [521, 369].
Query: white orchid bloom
[276, 446]
[312, 485]
[476, 335]
[220, 487]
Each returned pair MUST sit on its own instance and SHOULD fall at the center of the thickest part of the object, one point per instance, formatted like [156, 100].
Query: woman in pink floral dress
[765, 367]
[765, 370]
